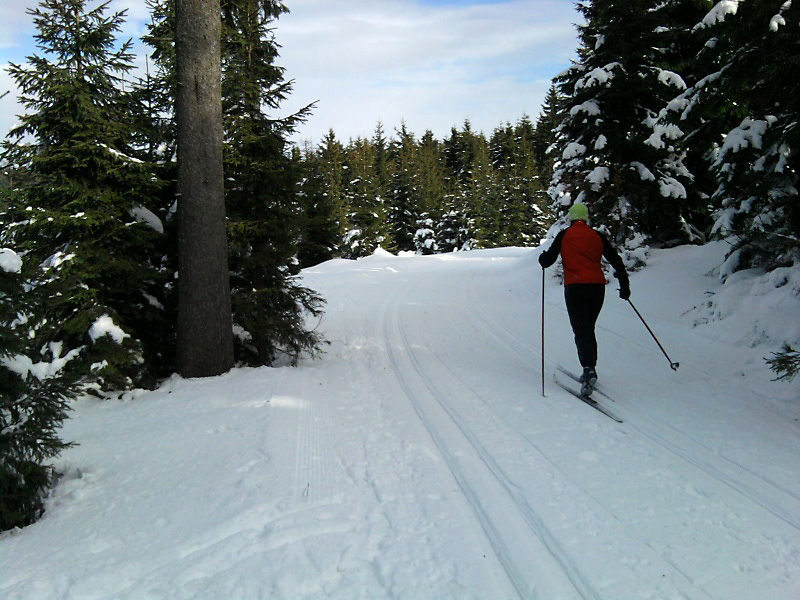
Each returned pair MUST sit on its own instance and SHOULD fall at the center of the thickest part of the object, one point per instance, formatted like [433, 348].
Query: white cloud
[433, 65]
[15, 25]
[366, 61]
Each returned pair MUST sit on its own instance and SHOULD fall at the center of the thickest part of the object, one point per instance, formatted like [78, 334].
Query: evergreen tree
[37, 379]
[459, 152]
[544, 136]
[81, 204]
[404, 196]
[425, 236]
[522, 219]
[455, 230]
[681, 47]
[510, 216]
[484, 195]
[334, 176]
[612, 99]
[368, 217]
[320, 235]
[757, 166]
[431, 175]
[262, 205]
[380, 148]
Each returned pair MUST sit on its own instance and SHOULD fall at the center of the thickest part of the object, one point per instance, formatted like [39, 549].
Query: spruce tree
[264, 214]
[510, 210]
[455, 230]
[473, 193]
[612, 98]
[683, 50]
[405, 209]
[38, 378]
[326, 176]
[368, 218]
[319, 236]
[484, 193]
[81, 204]
[431, 175]
[425, 236]
[522, 219]
[544, 136]
[757, 166]
[381, 159]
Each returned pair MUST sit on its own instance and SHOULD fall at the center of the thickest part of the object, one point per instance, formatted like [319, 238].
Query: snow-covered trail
[418, 458]
[573, 505]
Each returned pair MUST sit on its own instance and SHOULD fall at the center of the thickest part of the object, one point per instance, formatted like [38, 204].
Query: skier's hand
[541, 261]
[624, 292]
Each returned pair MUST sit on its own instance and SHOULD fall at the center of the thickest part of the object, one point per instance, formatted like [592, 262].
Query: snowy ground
[418, 458]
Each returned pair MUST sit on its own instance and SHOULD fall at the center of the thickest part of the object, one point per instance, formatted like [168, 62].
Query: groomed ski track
[418, 459]
[560, 492]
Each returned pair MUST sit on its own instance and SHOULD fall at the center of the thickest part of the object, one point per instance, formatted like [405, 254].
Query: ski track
[483, 478]
[433, 405]
[744, 481]
[565, 560]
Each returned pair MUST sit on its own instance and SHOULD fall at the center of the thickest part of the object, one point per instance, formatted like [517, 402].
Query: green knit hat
[578, 212]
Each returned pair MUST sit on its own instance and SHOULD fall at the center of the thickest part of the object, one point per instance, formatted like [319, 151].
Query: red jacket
[582, 249]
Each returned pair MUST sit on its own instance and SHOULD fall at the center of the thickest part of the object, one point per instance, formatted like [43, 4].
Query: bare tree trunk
[205, 337]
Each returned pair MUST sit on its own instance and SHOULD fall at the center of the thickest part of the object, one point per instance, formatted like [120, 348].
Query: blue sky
[430, 63]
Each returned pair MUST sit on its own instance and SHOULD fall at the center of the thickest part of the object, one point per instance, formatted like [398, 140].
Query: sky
[431, 64]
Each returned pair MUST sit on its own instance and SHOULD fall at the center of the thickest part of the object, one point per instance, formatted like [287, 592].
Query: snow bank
[754, 309]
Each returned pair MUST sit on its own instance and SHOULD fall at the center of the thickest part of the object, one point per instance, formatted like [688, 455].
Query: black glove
[541, 261]
[624, 292]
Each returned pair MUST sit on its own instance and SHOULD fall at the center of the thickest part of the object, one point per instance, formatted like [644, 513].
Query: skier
[582, 249]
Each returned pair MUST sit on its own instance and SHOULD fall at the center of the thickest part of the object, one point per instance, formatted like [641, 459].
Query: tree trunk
[205, 337]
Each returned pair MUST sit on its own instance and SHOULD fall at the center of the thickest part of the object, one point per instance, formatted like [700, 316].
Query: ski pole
[542, 332]
[673, 365]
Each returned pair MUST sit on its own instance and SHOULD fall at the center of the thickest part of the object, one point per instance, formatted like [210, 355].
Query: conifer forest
[678, 123]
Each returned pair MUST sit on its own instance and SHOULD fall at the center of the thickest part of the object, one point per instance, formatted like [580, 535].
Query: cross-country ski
[576, 378]
[584, 398]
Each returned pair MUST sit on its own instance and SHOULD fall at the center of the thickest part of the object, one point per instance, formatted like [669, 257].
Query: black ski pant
[584, 301]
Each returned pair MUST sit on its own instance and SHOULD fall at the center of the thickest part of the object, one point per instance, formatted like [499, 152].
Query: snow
[669, 130]
[597, 76]
[24, 366]
[148, 217]
[718, 13]
[671, 188]
[105, 325]
[644, 173]
[776, 21]
[601, 142]
[573, 150]
[597, 176]
[590, 107]
[418, 458]
[671, 78]
[750, 132]
[10, 261]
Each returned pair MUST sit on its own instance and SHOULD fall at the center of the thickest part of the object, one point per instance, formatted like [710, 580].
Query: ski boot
[588, 380]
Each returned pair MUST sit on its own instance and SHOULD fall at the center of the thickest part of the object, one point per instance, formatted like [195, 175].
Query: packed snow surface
[418, 458]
